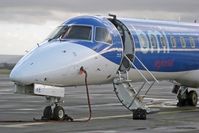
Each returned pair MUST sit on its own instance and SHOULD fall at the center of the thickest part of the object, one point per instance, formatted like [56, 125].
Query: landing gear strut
[185, 97]
[57, 113]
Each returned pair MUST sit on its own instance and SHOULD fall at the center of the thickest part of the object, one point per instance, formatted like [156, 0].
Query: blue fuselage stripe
[164, 57]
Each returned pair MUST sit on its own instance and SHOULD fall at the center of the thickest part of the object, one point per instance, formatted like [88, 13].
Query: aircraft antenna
[112, 15]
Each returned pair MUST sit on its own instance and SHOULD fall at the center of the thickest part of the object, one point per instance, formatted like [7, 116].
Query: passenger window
[182, 41]
[163, 41]
[78, 32]
[192, 42]
[153, 41]
[103, 35]
[173, 41]
[143, 41]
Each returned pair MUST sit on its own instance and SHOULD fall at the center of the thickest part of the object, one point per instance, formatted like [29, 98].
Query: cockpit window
[78, 32]
[72, 32]
[57, 32]
[103, 35]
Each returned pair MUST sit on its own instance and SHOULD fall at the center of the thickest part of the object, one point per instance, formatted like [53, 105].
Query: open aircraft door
[123, 88]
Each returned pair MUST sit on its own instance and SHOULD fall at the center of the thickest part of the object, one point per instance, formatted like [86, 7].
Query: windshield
[57, 32]
[72, 32]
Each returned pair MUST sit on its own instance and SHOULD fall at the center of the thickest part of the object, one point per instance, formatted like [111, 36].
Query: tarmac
[108, 114]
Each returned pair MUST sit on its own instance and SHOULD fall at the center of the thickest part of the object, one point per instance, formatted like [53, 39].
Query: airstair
[130, 97]
[127, 94]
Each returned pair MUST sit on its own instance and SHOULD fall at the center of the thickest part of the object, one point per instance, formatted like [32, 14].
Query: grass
[5, 71]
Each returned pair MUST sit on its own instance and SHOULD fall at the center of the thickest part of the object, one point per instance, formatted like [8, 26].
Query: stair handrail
[146, 69]
[137, 94]
[137, 69]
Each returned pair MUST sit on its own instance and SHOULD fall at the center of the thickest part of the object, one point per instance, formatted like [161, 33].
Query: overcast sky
[24, 23]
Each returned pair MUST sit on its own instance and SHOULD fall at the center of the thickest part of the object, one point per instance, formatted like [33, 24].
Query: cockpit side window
[57, 32]
[103, 35]
[78, 32]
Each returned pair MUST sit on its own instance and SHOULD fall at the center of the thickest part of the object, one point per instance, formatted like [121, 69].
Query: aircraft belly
[135, 76]
[190, 78]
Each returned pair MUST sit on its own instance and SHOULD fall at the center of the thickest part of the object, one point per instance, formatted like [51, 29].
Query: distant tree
[7, 66]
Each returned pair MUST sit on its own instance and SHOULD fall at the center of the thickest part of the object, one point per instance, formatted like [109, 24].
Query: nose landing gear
[57, 113]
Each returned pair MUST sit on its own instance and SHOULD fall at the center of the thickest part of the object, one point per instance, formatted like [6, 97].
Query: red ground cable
[82, 70]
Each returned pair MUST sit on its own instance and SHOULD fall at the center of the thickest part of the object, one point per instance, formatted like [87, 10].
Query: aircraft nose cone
[18, 76]
[13, 76]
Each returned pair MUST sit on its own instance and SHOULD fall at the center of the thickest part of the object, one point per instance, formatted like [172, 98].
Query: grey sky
[36, 18]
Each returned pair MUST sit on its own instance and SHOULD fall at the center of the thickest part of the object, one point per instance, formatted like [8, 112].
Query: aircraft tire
[47, 114]
[192, 98]
[59, 113]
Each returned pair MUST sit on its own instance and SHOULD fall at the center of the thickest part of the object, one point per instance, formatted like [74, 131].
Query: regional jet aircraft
[112, 50]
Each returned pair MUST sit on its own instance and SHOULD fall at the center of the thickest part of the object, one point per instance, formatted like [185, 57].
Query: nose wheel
[57, 114]
[47, 113]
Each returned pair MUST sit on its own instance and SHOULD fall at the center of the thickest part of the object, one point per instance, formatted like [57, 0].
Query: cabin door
[128, 45]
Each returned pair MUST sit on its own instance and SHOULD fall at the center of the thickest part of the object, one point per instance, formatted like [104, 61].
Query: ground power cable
[83, 71]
